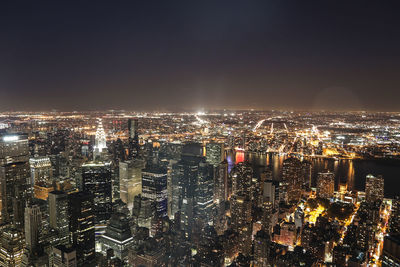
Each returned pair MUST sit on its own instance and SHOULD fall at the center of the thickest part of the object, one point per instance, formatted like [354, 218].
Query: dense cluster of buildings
[113, 193]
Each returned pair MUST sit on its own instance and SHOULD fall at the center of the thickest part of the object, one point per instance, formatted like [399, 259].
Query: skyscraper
[293, 178]
[215, 153]
[41, 176]
[81, 226]
[221, 190]
[11, 247]
[154, 187]
[185, 174]
[130, 180]
[133, 140]
[118, 236]
[14, 177]
[96, 180]
[59, 215]
[241, 221]
[325, 184]
[204, 196]
[41, 170]
[241, 176]
[63, 256]
[100, 146]
[374, 188]
[33, 220]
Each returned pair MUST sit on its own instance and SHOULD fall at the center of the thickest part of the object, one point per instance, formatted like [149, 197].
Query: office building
[293, 178]
[82, 226]
[325, 184]
[96, 180]
[33, 221]
[117, 237]
[14, 177]
[11, 247]
[41, 171]
[154, 187]
[62, 256]
[59, 216]
[391, 251]
[130, 180]
[374, 188]
[215, 153]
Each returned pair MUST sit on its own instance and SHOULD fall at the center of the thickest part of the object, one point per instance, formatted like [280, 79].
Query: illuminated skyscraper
[14, 177]
[241, 221]
[11, 247]
[215, 153]
[391, 251]
[374, 188]
[394, 224]
[100, 146]
[261, 249]
[41, 170]
[81, 226]
[186, 188]
[41, 176]
[59, 216]
[33, 221]
[154, 187]
[293, 178]
[130, 180]
[96, 180]
[63, 256]
[133, 141]
[204, 196]
[242, 175]
[221, 190]
[325, 184]
[117, 237]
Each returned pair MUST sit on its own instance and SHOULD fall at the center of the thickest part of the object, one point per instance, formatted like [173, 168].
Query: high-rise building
[293, 177]
[391, 251]
[133, 141]
[63, 256]
[96, 180]
[41, 176]
[81, 226]
[33, 220]
[11, 247]
[242, 175]
[14, 177]
[270, 192]
[185, 175]
[59, 215]
[394, 223]
[143, 211]
[374, 188]
[262, 249]
[241, 221]
[41, 170]
[154, 187]
[130, 180]
[325, 184]
[221, 190]
[100, 146]
[204, 196]
[117, 237]
[215, 153]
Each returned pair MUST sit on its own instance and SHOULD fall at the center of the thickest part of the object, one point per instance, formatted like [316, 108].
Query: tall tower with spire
[100, 141]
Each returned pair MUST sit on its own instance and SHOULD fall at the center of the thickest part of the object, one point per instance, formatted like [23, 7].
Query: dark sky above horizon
[85, 55]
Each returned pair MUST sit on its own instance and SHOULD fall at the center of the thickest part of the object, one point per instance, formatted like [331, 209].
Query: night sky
[172, 55]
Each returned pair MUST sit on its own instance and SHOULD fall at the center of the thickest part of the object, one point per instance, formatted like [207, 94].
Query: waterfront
[351, 171]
